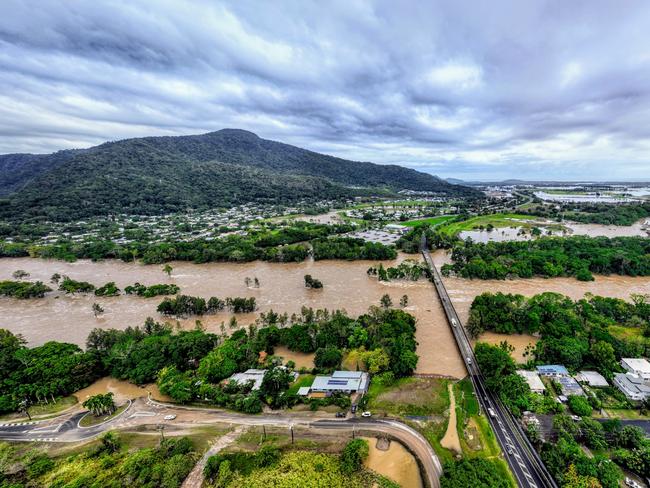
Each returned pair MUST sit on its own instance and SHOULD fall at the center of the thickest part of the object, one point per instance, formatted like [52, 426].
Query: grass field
[409, 396]
[44, 410]
[430, 221]
[303, 380]
[497, 220]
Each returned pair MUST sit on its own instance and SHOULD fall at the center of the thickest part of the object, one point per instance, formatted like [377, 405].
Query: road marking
[44, 439]
[143, 414]
[13, 424]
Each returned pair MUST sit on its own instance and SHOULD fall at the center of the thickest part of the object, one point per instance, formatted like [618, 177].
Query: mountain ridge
[161, 174]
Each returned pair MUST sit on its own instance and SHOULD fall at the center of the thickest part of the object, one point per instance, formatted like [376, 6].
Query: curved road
[65, 428]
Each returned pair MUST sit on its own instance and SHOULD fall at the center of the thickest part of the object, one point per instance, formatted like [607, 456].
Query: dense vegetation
[107, 290]
[152, 290]
[410, 242]
[475, 473]
[69, 285]
[407, 269]
[351, 248]
[594, 213]
[552, 256]
[286, 244]
[574, 333]
[191, 364]
[615, 445]
[29, 375]
[270, 466]
[577, 334]
[108, 464]
[157, 175]
[184, 305]
[385, 339]
[23, 289]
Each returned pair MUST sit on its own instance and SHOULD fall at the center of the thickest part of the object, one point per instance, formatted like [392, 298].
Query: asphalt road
[148, 412]
[522, 458]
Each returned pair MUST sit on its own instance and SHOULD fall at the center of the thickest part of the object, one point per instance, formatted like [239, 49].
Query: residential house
[533, 380]
[633, 386]
[637, 366]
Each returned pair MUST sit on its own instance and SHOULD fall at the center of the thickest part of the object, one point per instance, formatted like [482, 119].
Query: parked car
[340, 415]
[366, 414]
[631, 483]
[169, 417]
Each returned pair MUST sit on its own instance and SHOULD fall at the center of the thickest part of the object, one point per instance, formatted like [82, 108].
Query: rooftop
[632, 383]
[592, 378]
[254, 375]
[533, 379]
[341, 381]
[637, 364]
[552, 369]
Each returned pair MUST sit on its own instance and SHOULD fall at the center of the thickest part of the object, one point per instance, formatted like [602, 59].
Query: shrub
[579, 405]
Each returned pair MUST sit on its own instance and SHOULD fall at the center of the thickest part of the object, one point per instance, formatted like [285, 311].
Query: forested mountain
[164, 174]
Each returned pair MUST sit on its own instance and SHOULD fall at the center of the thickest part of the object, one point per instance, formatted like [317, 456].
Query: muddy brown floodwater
[462, 293]
[121, 390]
[346, 286]
[395, 463]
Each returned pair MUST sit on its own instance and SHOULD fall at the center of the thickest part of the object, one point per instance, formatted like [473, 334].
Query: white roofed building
[637, 366]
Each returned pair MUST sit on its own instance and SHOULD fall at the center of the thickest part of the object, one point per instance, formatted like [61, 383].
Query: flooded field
[519, 341]
[396, 463]
[302, 359]
[346, 286]
[122, 390]
[638, 229]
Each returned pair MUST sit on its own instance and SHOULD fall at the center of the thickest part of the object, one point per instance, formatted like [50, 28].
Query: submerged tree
[386, 301]
[97, 309]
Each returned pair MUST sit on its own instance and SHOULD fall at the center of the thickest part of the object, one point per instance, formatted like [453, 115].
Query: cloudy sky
[475, 90]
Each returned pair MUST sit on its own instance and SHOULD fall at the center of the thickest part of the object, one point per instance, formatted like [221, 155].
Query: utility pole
[291, 427]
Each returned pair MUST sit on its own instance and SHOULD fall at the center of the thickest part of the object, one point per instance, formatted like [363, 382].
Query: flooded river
[346, 286]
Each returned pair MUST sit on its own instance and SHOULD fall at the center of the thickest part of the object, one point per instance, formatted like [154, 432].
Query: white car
[631, 483]
[169, 417]
[366, 414]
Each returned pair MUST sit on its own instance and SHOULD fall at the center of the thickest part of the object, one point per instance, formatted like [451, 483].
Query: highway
[522, 457]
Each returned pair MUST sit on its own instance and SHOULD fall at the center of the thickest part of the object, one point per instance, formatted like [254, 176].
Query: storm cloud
[476, 90]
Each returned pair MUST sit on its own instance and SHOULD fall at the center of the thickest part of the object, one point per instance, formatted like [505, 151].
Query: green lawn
[303, 380]
[43, 410]
[409, 396]
[430, 221]
[497, 220]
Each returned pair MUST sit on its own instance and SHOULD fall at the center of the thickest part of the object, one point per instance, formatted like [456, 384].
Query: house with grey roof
[633, 386]
[338, 382]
